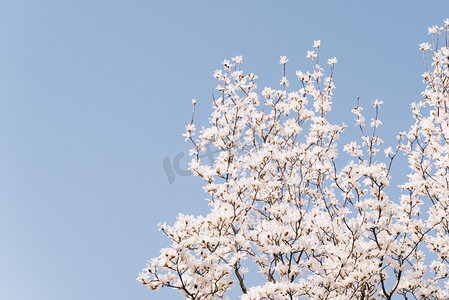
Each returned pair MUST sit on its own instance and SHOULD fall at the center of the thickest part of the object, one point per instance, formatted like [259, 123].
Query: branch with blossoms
[281, 205]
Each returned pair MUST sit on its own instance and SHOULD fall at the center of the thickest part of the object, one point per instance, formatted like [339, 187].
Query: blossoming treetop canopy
[284, 211]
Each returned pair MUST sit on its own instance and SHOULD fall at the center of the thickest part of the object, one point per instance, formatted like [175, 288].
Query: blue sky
[94, 95]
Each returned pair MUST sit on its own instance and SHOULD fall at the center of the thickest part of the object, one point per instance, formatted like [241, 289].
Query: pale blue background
[95, 94]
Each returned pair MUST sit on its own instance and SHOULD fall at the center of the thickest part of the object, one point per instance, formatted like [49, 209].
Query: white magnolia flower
[332, 61]
[424, 46]
[283, 60]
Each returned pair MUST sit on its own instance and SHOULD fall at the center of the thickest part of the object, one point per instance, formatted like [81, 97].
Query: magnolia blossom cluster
[285, 211]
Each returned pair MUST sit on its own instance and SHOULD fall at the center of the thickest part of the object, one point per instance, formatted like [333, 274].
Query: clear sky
[94, 95]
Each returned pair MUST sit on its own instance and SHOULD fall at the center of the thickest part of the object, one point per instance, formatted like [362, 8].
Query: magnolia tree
[284, 209]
